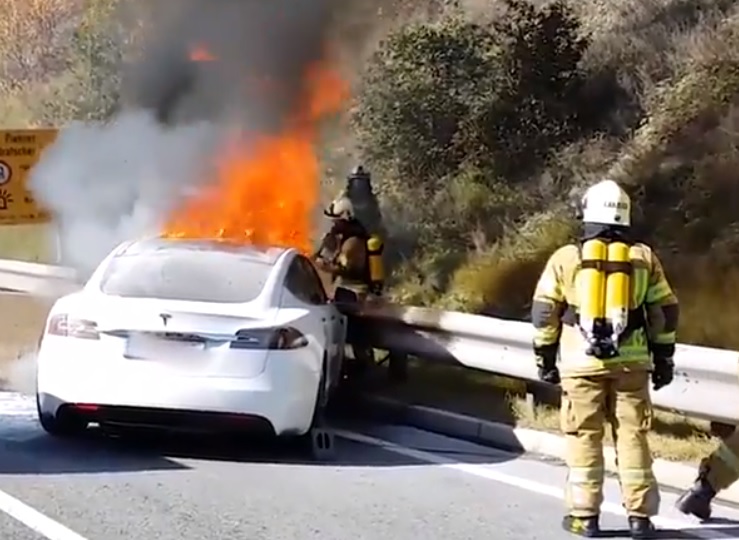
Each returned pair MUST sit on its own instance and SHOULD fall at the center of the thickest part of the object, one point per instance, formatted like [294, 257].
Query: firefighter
[716, 472]
[605, 306]
[344, 255]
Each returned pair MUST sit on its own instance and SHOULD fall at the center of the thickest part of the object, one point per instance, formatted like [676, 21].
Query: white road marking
[485, 471]
[35, 520]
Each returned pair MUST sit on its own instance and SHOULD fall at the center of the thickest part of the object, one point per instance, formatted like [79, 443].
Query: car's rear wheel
[63, 427]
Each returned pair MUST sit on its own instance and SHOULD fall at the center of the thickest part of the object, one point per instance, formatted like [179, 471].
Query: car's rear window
[184, 274]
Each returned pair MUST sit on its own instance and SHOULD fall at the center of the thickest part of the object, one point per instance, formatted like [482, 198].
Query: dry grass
[32, 35]
[479, 394]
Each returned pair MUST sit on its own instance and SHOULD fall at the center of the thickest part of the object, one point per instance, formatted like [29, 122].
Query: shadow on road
[26, 449]
[350, 452]
[90, 453]
[128, 450]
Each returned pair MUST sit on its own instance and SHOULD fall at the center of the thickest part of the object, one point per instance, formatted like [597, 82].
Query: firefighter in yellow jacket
[604, 304]
[716, 472]
[352, 257]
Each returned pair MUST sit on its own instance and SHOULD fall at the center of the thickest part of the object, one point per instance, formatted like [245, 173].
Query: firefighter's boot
[581, 526]
[641, 527]
[697, 500]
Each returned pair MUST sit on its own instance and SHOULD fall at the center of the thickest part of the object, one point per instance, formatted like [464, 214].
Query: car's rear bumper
[282, 396]
[177, 420]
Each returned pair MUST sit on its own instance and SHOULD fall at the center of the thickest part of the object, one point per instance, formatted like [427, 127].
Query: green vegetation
[496, 118]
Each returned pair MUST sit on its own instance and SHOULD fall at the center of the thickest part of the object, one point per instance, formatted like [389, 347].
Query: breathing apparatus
[603, 282]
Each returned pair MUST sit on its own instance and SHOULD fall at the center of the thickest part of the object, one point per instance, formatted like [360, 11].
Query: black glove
[664, 372]
[548, 371]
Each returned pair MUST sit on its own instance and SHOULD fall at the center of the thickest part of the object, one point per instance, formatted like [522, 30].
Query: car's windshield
[198, 275]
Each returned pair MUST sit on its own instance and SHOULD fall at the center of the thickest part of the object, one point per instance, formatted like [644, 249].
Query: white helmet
[606, 203]
[341, 207]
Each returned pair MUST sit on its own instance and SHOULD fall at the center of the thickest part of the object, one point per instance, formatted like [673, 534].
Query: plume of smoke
[106, 183]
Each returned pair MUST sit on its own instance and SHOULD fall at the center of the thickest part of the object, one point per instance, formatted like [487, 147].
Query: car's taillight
[269, 338]
[66, 326]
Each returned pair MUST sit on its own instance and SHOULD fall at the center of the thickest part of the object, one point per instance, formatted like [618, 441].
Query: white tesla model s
[192, 335]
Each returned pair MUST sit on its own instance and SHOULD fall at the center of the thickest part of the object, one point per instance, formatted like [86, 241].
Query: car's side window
[292, 280]
[301, 283]
[314, 281]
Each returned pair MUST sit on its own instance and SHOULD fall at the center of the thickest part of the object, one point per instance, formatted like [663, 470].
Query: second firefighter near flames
[351, 255]
[605, 320]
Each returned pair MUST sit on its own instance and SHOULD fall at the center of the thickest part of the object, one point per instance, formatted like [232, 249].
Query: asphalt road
[387, 483]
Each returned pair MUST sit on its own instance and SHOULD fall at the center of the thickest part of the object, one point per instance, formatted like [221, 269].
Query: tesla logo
[165, 318]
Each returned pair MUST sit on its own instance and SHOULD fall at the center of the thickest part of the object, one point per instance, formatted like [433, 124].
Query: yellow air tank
[591, 286]
[618, 287]
[375, 248]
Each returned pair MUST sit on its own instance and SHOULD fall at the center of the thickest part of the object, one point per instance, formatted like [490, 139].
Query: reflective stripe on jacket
[653, 315]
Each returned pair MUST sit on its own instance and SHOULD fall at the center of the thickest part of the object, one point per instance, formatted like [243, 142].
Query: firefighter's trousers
[722, 466]
[362, 352]
[588, 403]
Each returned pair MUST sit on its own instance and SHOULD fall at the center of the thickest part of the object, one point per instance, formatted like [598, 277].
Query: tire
[56, 427]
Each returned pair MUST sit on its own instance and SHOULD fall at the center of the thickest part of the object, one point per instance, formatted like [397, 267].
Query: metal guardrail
[706, 381]
[37, 279]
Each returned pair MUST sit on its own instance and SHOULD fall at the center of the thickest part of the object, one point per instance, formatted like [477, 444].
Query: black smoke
[262, 49]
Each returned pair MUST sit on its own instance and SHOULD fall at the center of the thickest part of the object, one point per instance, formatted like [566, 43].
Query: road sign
[20, 149]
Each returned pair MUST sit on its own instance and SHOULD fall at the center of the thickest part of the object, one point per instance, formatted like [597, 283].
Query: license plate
[151, 348]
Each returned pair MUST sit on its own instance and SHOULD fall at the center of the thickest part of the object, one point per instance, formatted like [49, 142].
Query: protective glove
[664, 372]
[547, 371]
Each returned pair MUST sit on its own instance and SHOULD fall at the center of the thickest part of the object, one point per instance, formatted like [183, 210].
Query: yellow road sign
[20, 149]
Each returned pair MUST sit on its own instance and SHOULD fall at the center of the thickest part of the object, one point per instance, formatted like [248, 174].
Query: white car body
[153, 339]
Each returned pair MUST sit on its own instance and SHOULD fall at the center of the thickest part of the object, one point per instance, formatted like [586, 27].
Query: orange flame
[267, 187]
[200, 53]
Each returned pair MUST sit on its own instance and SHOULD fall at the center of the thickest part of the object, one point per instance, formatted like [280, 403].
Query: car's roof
[268, 255]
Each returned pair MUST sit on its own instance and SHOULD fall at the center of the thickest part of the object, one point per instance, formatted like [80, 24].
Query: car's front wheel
[64, 427]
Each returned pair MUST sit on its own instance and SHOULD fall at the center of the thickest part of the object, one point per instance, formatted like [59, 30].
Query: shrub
[419, 88]
[435, 96]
